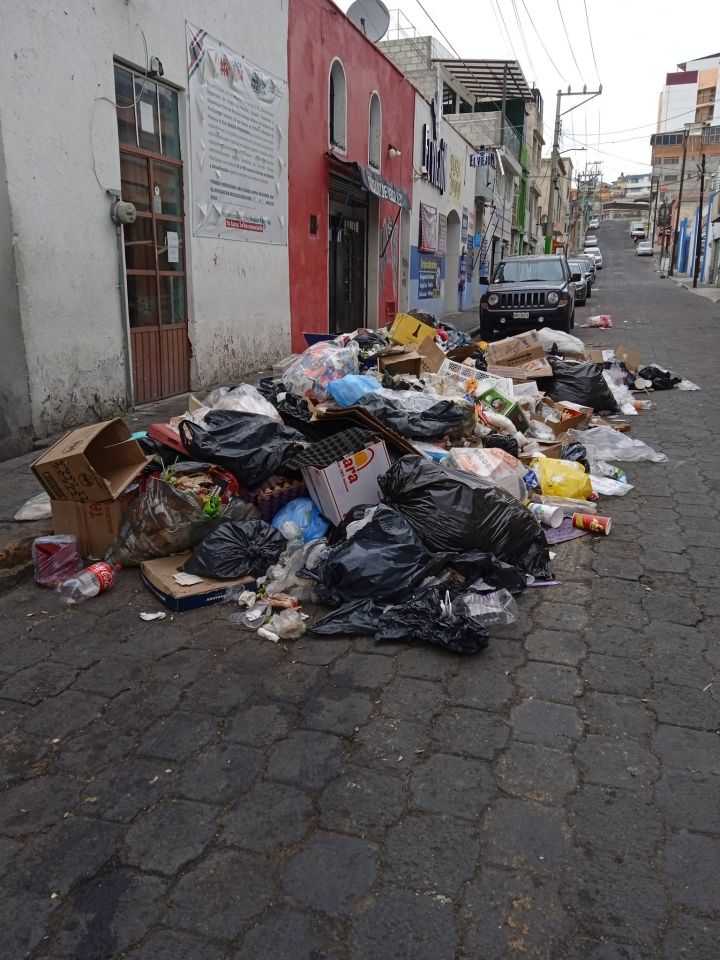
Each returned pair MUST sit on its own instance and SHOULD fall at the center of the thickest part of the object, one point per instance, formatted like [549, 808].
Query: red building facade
[350, 146]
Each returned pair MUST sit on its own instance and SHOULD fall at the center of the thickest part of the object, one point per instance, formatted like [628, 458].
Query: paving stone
[126, 788]
[362, 670]
[452, 785]
[59, 716]
[251, 657]
[11, 715]
[21, 756]
[34, 804]
[616, 763]
[220, 773]
[23, 919]
[615, 900]
[511, 914]
[291, 682]
[549, 681]
[690, 801]
[110, 676]
[410, 699]
[524, 835]
[331, 873]
[662, 562]
[426, 663]
[178, 735]
[619, 641]
[435, 854]
[612, 715]
[22, 652]
[320, 652]
[361, 801]
[567, 617]
[539, 721]
[260, 724]
[271, 816]
[529, 770]
[622, 675]
[687, 749]
[594, 950]
[239, 886]
[170, 835]
[35, 683]
[285, 936]
[92, 750]
[183, 667]
[674, 609]
[306, 758]
[482, 692]
[390, 744]
[137, 710]
[8, 849]
[692, 938]
[174, 945]
[680, 668]
[400, 924]
[665, 637]
[554, 646]
[337, 710]
[685, 706]
[218, 693]
[472, 733]
[691, 861]
[617, 821]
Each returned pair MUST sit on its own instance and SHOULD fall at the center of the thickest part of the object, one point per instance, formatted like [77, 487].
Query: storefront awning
[373, 182]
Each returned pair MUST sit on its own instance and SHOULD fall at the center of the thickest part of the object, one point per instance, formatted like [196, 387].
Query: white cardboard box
[336, 489]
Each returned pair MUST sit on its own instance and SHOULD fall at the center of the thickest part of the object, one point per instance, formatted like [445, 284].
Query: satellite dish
[370, 16]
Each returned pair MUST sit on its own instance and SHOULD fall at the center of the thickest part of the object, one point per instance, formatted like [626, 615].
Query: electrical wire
[567, 37]
[592, 46]
[522, 36]
[537, 34]
[496, 3]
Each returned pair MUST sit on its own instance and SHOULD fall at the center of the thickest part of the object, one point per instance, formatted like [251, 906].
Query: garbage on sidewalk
[408, 480]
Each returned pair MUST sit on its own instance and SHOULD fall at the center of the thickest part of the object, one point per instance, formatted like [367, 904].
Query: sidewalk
[708, 292]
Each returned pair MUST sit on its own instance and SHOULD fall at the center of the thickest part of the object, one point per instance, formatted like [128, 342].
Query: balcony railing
[512, 141]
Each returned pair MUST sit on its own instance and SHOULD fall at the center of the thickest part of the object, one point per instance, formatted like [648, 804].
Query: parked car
[590, 240]
[594, 224]
[597, 256]
[579, 272]
[586, 265]
[526, 293]
[637, 230]
[644, 249]
[590, 261]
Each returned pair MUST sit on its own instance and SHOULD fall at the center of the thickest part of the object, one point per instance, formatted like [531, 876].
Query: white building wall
[61, 151]
[678, 106]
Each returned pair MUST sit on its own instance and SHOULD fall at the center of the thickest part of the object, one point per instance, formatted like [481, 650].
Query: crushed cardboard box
[408, 329]
[157, 575]
[515, 350]
[94, 524]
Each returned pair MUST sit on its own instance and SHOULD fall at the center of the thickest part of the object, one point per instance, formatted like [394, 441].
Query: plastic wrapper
[442, 417]
[311, 372]
[602, 320]
[496, 466]
[623, 397]
[659, 377]
[246, 399]
[456, 512]
[55, 559]
[686, 385]
[609, 487]
[488, 609]
[604, 443]
[577, 453]
[300, 520]
[562, 478]
[235, 550]
[287, 624]
[568, 505]
[565, 342]
[284, 576]
[162, 521]
[36, 508]
[348, 390]
[250, 446]
[211, 486]
[581, 383]
[215, 396]
[502, 442]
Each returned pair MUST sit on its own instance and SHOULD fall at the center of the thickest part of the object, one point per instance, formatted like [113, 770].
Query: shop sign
[433, 158]
[429, 278]
[483, 158]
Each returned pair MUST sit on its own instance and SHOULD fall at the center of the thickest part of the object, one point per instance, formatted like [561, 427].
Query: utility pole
[555, 156]
[656, 181]
[698, 237]
[677, 219]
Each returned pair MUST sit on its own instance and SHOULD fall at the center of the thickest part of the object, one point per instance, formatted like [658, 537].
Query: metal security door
[347, 274]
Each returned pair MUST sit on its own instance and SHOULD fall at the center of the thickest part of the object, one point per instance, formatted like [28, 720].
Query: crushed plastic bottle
[97, 578]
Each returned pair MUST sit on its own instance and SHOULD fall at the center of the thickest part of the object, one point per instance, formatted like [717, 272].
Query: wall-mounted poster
[442, 235]
[429, 278]
[238, 144]
[464, 225]
[428, 228]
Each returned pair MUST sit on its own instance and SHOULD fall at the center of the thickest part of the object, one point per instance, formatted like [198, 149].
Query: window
[706, 95]
[338, 106]
[526, 271]
[704, 114]
[449, 100]
[670, 177]
[375, 132]
[669, 161]
[711, 135]
[666, 139]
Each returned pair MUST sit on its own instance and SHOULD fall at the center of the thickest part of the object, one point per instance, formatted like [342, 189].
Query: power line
[592, 46]
[567, 37]
[496, 3]
[537, 34]
[522, 36]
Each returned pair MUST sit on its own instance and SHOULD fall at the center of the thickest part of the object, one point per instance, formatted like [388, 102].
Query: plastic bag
[163, 520]
[284, 576]
[425, 618]
[445, 416]
[496, 466]
[609, 487]
[348, 390]
[36, 508]
[250, 446]
[576, 452]
[457, 512]
[660, 378]
[235, 550]
[565, 342]
[604, 443]
[215, 396]
[602, 320]
[686, 385]
[502, 442]
[568, 505]
[623, 398]
[498, 607]
[581, 383]
[300, 520]
[313, 370]
[562, 478]
[56, 559]
[247, 399]
[287, 624]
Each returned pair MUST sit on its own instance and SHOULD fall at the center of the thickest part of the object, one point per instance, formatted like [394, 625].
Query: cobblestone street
[182, 790]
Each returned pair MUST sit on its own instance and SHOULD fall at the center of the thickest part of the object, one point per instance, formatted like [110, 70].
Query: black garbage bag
[249, 445]
[576, 452]
[354, 618]
[385, 560]
[455, 512]
[475, 565]
[660, 378]
[237, 550]
[420, 619]
[503, 441]
[441, 418]
[578, 383]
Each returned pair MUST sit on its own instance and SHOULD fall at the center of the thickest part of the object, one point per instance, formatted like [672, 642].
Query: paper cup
[591, 522]
[547, 515]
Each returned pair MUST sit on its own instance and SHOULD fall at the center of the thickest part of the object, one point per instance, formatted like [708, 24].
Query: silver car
[595, 253]
[644, 249]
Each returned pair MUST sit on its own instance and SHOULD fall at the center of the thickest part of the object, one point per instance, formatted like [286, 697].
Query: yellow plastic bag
[562, 478]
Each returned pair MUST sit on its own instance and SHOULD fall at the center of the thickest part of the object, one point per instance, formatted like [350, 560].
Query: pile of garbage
[410, 481]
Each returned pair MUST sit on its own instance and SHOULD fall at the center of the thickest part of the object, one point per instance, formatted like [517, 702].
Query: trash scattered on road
[36, 508]
[147, 617]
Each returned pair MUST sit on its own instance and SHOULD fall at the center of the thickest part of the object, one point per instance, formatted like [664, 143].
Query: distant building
[562, 186]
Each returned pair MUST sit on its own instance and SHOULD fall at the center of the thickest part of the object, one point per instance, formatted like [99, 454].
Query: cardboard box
[552, 450]
[408, 362]
[407, 329]
[514, 350]
[523, 371]
[631, 358]
[91, 464]
[94, 524]
[157, 575]
[507, 406]
[348, 482]
[579, 416]
[431, 356]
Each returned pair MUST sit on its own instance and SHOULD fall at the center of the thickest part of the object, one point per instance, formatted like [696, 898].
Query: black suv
[526, 293]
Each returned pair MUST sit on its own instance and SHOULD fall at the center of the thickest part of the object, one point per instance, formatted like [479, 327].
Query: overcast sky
[636, 43]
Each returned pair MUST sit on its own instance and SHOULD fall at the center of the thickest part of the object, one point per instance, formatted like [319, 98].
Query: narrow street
[180, 790]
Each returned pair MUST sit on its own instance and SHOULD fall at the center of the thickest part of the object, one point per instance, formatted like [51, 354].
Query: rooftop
[485, 78]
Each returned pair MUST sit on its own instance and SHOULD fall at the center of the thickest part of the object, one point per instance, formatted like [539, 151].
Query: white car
[590, 241]
[644, 249]
[595, 253]
[594, 224]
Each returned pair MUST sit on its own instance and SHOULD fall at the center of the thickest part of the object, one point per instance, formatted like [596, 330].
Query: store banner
[429, 278]
[428, 228]
[442, 235]
[238, 144]
[464, 226]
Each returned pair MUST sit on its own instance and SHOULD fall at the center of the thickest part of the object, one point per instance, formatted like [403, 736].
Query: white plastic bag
[609, 487]
[498, 607]
[566, 342]
[36, 508]
[247, 399]
[686, 385]
[603, 321]
[312, 371]
[604, 443]
[623, 398]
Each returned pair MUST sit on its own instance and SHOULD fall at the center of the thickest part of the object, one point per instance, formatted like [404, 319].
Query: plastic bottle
[94, 579]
